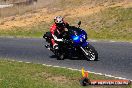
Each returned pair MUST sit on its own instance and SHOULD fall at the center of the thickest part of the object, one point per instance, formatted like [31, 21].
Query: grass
[34, 31]
[21, 75]
[113, 23]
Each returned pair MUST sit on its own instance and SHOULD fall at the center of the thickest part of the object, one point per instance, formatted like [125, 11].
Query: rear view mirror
[79, 23]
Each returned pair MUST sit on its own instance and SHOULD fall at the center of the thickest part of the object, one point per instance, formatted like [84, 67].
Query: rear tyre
[59, 55]
[92, 53]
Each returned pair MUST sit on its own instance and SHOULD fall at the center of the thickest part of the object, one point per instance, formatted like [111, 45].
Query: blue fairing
[79, 38]
[85, 44]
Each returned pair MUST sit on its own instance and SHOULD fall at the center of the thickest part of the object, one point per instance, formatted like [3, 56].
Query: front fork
[82, 47]
[84, 50]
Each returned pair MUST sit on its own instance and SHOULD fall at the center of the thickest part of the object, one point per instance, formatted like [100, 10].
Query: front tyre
[92, 54]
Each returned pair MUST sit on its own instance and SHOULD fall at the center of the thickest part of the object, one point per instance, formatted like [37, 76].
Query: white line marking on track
[112, 41]
[44, 64]
[49, 65]
[72, 69]
[13, 60]
[107, 41]
[56, 66]
[63, 67]
[20, 61]
[93, 40]
[27, 62]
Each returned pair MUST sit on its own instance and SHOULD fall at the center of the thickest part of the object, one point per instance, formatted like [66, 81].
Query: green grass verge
[33, 31]
[21, 75]
[113, 23]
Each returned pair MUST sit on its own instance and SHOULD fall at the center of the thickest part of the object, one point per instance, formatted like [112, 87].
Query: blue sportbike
[74, 44]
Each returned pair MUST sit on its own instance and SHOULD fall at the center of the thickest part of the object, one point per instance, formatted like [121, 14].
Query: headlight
[75, 38]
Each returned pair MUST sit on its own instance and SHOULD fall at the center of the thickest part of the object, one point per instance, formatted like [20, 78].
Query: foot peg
[47, 46]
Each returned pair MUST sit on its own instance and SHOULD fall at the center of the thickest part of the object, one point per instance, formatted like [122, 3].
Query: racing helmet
[59, 21]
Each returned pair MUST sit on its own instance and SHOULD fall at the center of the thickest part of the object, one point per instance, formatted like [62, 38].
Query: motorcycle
[74, 44]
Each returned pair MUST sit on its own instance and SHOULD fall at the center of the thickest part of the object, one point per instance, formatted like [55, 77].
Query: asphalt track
[115, 57]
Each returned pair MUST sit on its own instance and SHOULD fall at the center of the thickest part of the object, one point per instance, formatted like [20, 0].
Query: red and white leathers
[54, 28]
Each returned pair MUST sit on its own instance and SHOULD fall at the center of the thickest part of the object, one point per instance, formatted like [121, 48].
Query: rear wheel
[92, 54]
[60, 56]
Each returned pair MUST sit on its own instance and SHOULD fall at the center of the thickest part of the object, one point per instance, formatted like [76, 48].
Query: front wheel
[90, 53]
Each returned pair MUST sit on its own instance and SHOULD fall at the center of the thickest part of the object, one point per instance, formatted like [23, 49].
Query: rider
[56, 29]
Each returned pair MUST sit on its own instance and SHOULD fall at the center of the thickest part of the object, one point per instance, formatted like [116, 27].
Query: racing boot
[55, 46]
[48, 47]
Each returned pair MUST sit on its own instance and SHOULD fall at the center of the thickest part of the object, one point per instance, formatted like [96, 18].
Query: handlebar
[67, 41]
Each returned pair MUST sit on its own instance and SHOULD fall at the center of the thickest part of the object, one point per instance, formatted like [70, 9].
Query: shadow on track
[69, 58]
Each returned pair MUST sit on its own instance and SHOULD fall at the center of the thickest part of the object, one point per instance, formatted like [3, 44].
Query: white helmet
[58, 20]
